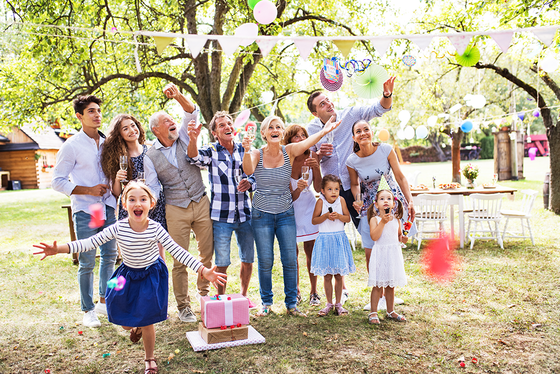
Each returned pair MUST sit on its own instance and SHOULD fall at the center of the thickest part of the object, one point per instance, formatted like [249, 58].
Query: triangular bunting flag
[229, 45]
[503, 39]
[546, 35]
[305, 46]
[196, 44]
[460, 42]
[266, 45]
[422, 42]
[344, 46]
[381, 45]
[161, 43]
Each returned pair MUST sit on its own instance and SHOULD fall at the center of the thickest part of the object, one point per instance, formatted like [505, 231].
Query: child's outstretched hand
[213, 276]
[48, 250]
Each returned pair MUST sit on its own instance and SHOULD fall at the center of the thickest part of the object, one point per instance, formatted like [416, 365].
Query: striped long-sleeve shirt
[138, 249]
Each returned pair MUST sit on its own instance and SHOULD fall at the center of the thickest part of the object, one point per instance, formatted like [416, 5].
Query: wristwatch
[387, 94]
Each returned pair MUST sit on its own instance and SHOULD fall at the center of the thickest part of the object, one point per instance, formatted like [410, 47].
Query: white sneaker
[187, 315]
[91, 320]
[101, 308]
[345, 295]
[398, 301]
[382, 305]
[367, 306]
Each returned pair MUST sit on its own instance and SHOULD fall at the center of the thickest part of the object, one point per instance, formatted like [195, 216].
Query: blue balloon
[467, 126]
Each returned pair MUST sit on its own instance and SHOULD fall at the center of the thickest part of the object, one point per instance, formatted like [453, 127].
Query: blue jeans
[283, 226]
[222, 242]
[107, 252]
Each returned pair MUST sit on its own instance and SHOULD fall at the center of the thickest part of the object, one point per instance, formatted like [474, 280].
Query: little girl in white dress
[386, 265]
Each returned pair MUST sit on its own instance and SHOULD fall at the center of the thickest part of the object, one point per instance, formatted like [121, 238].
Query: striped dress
[144, 298]
[273, 186]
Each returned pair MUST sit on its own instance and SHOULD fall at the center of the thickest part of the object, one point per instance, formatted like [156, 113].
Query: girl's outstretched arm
[296, 149]
[213, 276]
[51, 250]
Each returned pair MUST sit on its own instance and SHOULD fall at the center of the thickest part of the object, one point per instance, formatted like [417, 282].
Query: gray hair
[154, 119]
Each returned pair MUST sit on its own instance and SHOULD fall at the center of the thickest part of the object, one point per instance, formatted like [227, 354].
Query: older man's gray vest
[180, 185]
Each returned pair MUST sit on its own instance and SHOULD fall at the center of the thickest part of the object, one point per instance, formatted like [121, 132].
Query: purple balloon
[536, 113]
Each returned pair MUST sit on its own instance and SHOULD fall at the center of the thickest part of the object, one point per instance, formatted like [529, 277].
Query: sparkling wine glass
[250, 133]
[329, 138]
[238, 176]
[305, 176]
[360, 201]
[141, 177]
[123, 162]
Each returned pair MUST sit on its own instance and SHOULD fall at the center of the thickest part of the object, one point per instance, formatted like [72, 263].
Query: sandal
[326, 310]
[373, 318]
[151, 370]
[265, 311]
[398, 318]
[135, 334]
[339, 310]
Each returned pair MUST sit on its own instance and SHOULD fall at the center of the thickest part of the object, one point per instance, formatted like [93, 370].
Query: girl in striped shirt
[142, 301]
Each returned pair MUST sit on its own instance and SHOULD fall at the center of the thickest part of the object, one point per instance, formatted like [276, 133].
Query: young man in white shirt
[78, 174]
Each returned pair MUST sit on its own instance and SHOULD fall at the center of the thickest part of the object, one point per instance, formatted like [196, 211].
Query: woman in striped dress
[273, 213]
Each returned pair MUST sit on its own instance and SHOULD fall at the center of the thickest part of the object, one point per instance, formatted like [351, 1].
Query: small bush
[487, 147]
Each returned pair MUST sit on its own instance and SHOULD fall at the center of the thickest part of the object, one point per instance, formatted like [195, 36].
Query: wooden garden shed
[30, 155]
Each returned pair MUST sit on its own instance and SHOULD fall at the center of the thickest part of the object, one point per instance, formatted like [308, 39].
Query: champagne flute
[141, 177]
[123, 162]
[305, 175]
[360, 201]
[251, 132]
[329, 138]
[494, 179]
[238, 176]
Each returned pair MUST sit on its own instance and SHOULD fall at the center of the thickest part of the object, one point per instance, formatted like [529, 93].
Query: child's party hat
[383, 185]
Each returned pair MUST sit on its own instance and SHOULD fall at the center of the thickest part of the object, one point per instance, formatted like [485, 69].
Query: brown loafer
[135, 334]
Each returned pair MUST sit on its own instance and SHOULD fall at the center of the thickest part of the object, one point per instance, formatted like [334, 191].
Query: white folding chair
[412, 178]
[523, 214]
[486, 209]
[431, 210]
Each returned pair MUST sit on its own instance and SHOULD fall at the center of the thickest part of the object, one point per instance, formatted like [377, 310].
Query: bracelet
[388, 96]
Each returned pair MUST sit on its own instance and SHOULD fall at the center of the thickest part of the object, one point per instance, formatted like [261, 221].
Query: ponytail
[356, 147]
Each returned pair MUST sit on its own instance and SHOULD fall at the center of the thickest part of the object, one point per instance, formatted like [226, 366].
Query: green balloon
[252, 3]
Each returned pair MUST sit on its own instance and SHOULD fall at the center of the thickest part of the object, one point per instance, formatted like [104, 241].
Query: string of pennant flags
[305, 44]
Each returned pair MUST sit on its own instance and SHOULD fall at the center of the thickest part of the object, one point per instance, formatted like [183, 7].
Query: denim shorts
[222, 242]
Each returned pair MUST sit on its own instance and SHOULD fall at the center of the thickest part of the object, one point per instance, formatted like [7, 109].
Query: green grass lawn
[502, 308]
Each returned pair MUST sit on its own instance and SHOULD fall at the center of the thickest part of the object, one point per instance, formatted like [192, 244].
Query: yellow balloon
[383, 135]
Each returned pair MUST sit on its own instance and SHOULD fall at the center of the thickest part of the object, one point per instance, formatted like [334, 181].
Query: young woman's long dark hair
[115, 146]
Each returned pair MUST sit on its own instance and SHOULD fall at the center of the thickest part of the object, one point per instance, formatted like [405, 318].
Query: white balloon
[479, 101]
[404, 116]
[549, 64]
[248, 31]
[432, 121]
[409, 132]
[400, 134]
[421, 132]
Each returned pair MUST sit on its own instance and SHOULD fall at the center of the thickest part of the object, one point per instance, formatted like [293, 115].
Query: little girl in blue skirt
[332, 255]
[143, 299]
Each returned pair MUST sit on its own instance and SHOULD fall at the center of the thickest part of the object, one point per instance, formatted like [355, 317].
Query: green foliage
[487, 147]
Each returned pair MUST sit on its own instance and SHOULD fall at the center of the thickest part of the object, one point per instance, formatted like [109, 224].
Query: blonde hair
[134, 185]
[267, 121]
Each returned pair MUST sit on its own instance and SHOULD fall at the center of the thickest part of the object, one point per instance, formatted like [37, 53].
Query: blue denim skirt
[143, 299]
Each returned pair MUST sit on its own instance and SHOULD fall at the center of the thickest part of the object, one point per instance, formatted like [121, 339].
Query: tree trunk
[456, 156]
[553, 135]
[433, 139]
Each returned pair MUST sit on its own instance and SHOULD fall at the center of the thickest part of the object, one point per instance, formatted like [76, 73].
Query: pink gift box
[224, 310]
